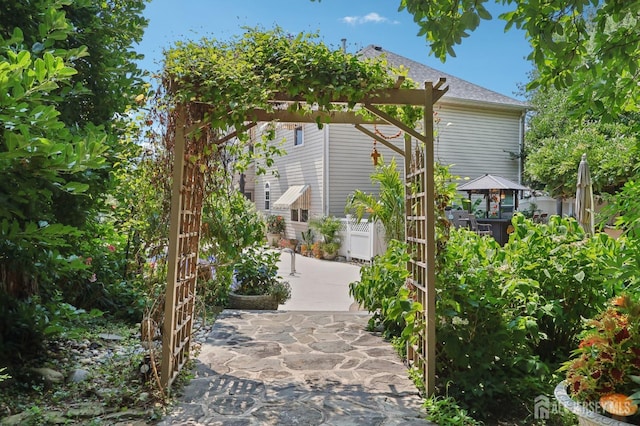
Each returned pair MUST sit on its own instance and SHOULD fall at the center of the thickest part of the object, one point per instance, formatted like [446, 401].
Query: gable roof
[488, 182]
[459, 89]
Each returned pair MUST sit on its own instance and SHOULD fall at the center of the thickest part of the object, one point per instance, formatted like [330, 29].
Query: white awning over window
[296, 197]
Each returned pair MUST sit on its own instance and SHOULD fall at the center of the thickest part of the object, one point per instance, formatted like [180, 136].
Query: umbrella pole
[486, 213]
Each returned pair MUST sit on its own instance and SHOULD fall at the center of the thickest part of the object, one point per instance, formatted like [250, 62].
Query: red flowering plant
[607, 361]
[275, 224]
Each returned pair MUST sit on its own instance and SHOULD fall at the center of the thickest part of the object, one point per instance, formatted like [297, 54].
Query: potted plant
[256, 284]
[330, 250]
[328, 227]
[602, 383]
[307, 242]
[316, 249]
[275, 229]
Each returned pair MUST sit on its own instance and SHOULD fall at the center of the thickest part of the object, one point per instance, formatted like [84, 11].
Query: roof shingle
[459, 89]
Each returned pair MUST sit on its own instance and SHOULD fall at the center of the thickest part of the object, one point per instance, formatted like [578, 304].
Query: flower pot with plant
[256, 284]
[330, 250]
[328, 227]
[316, 249]
[275, 229]
[307, 242]
[603, 376]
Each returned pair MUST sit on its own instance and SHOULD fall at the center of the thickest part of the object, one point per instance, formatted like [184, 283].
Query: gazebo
[495, 190]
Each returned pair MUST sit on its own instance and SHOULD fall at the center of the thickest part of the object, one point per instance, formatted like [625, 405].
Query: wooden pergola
[187, 198]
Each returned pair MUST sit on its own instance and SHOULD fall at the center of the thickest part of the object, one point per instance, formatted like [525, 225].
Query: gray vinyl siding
[301, 165]
[478, 141]
[474, 140]
[350, 163]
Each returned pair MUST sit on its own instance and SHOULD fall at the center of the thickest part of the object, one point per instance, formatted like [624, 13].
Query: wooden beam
[192, 128]
[383, 141]
[391, 120]
[393, 96]
[234, 133]
[430, 223]
[407, 213]
[334, 117]
[168, 338]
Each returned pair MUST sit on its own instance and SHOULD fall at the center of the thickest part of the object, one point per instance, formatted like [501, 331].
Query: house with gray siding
[478, 131]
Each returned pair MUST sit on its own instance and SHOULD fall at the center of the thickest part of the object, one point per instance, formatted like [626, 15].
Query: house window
[298, 136]
[299, 215]
[267, 196]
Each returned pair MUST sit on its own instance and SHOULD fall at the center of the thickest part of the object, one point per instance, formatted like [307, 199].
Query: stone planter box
[253, 303]
[273, 239]
[586, 417]
[329, 256]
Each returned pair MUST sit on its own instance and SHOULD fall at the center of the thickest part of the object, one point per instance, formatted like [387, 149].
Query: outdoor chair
[459, 218]
[479, 228]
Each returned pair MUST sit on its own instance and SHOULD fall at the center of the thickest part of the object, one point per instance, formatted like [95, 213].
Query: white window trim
[295, 139]
[267, 196]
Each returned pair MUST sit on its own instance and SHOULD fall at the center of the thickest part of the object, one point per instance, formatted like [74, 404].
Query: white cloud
[373, 17]
[368, 18]
[352, 20]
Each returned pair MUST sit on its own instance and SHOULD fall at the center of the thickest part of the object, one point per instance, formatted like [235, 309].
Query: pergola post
[184, 239]
[168, 335]
[430, 307]
[186, 214]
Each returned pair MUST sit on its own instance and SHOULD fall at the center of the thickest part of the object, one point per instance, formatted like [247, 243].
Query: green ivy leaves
[250, 71]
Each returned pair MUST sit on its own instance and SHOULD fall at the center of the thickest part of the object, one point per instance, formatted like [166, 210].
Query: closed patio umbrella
[584, 197]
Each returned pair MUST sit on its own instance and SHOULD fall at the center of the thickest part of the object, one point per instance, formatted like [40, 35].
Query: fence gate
[184, 237]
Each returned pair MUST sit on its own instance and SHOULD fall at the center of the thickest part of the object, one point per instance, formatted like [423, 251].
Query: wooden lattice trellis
[184, 239]
[186, 208]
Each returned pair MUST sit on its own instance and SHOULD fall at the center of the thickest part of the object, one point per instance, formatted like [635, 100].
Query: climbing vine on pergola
[216, 91]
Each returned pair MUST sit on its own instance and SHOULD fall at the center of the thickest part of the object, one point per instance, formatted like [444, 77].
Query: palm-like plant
[387, 206]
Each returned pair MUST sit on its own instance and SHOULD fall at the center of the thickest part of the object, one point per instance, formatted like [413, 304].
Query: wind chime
[374, 153]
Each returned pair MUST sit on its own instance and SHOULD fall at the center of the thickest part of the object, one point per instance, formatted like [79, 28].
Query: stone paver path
[297, 368]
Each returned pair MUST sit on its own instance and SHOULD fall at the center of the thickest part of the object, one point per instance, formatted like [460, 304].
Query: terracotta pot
[586, 417]
[252, 303]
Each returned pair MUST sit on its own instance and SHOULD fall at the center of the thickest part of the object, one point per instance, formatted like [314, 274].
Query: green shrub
[506, 317]
[570, 278]
[482, 342]
[230, 224]
[379, 284]
[256, 273]
[25, 324]
[444, 410]
[327, 227]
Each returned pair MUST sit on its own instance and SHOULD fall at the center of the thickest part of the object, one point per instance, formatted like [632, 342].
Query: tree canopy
[591, 47]
[555, 142]
[67, 73]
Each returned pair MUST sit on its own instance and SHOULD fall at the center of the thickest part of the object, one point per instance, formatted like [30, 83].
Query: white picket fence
[361, 240]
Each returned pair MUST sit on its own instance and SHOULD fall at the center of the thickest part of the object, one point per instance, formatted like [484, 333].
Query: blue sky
[489, 57]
